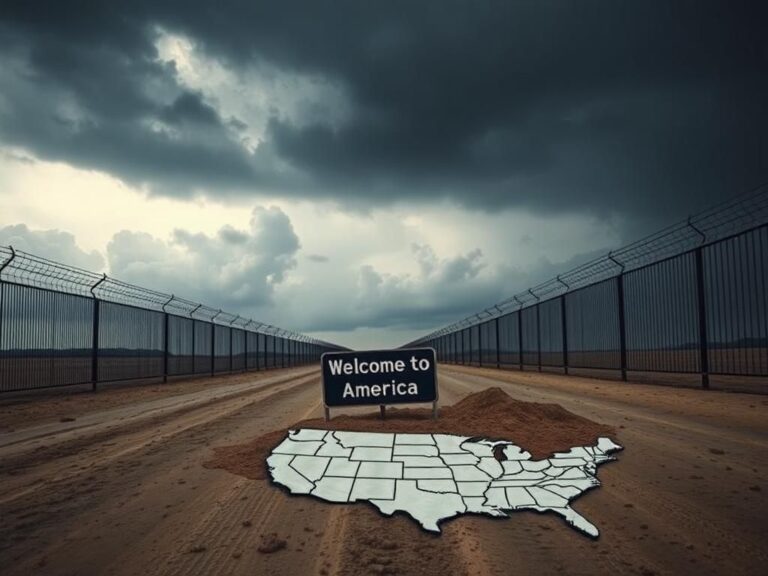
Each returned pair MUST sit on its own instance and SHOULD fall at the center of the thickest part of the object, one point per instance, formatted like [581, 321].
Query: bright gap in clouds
[249, 96]
[369, 280]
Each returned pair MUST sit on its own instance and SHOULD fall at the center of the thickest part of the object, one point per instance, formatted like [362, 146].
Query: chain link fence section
[61, 326]
[691, 299]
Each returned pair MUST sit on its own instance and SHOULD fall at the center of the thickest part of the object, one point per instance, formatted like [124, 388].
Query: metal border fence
[690, 299]
[62, 326]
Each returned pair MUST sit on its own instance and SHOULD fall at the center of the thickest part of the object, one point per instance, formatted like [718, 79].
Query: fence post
[622, 327]
[520, 337]
[213, 343]
[479, 345]
[538, 333]
[498, 347]
[245, 345]
[95, 347]
[622, 324]
[165, 347]
[564, 329]
[165, 341]
[213, 348]
[2, 291]
[194, 330]
[95, 343]
[231, 341]
[703, 348]
[2, 299]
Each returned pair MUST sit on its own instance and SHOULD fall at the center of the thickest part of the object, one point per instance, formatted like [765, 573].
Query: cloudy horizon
[367, 173]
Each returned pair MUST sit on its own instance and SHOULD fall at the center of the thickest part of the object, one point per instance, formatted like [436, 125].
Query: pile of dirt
[270, 544]
[542, 429]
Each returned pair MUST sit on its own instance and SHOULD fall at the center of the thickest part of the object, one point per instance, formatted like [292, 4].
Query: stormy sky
[368, 171]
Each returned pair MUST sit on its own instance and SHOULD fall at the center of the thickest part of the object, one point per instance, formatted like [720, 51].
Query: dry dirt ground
[114, 483]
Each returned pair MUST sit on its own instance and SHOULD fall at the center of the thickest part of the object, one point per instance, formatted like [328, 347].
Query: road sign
[380, 377]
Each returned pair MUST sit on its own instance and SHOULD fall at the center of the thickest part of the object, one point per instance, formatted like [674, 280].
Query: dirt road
[118, 487]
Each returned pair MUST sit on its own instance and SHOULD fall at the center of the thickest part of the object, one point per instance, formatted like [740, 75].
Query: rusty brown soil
[116, 485]
[542, 429]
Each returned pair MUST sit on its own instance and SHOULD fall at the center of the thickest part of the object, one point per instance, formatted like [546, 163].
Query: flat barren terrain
[115, 483]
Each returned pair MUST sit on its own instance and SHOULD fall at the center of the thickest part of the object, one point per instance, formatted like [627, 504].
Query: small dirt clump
[270, 543]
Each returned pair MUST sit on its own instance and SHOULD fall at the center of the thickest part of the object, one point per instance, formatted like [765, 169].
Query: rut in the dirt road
[57, 456]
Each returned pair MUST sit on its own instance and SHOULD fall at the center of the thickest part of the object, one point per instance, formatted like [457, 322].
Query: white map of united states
[433, 477]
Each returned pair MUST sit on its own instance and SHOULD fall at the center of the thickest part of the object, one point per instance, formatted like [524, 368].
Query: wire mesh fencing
[691, 299]
[61, 326]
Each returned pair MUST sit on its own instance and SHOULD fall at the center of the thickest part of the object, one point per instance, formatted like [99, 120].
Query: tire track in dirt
[60, 462]
[29, 438]
[236, 508]
[152, 498]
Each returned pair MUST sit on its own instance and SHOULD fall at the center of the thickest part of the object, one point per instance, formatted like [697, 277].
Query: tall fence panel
[551, 333]
[238, 350]
[203, 360]
[280, 356]
[62, 326]
[530, 342]
[180, 346]
[131, 343]
[474, 345]
[689, 299]
[488, 343]
[509, 341]
[592, 321]
[45, 338]
[262, 351]
[221, 348]
[736, 287]
[270, 351]
[252, 355]
[661, 311]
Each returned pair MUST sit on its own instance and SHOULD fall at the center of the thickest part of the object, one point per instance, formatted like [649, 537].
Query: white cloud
[233, 269]
[386, 276]
[52, 244]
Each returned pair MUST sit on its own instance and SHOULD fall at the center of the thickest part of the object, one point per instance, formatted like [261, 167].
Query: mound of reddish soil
[539, 428]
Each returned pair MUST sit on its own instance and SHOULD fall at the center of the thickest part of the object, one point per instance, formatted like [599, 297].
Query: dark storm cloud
[590, 106]
[190, 108]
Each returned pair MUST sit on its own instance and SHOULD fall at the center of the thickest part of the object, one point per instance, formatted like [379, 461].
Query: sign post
[381, 377]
